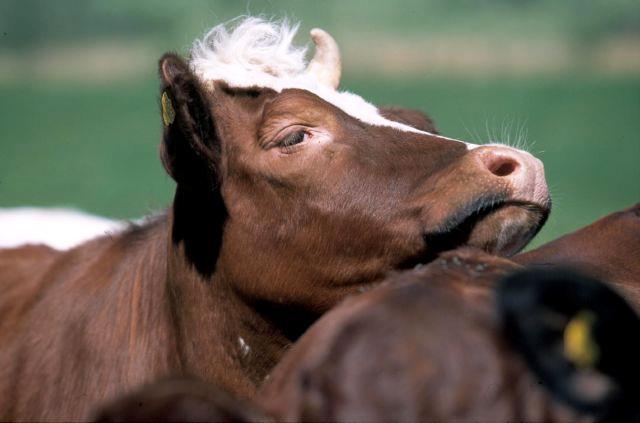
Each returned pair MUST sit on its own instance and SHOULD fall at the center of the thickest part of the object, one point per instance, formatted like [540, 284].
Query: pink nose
[523, 172]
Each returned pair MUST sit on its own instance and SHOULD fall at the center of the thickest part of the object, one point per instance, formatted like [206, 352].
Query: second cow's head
[323, 191]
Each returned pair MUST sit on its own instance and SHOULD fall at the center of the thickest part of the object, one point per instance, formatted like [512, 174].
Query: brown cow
[180, 400]
[608, 249]
[435, 344]
[290, 195]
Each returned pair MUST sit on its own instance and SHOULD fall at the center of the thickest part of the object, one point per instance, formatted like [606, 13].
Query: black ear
[411, 117]
[190, 153]
[578, 336]
[190, 150]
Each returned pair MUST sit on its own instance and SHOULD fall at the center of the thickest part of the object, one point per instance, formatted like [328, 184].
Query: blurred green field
[79, 123]
[96, 148]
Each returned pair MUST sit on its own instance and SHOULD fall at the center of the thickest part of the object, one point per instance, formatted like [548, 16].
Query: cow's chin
[507, 229]
[502, 229]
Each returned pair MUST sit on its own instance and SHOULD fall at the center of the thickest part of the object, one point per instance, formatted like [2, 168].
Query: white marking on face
[258, 53]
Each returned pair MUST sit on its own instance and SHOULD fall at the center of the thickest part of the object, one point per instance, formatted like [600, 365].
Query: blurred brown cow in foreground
[436, 344]
[180, 400]
[608, 249]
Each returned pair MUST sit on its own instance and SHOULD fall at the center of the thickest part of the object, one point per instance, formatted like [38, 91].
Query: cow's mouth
[502, 228]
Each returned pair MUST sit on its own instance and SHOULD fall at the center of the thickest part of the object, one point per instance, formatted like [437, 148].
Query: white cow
[57, 227]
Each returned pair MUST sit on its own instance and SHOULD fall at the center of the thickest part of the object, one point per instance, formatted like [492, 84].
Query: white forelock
[260, 53]
[254, 53]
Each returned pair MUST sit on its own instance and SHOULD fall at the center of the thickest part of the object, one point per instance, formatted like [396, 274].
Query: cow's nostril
[501, 165]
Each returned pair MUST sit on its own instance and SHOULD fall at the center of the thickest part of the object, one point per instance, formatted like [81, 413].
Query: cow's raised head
[319, 191]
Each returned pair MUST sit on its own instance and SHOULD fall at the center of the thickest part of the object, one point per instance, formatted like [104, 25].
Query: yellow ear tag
[579, 345]
[168, 114]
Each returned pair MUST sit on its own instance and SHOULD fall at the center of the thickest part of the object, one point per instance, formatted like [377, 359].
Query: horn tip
[317, 33]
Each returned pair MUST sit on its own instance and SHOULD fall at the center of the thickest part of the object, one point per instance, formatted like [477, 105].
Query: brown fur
[260, 240]
[425, 346]
[414, 118]
[608, 249]
[180, 400]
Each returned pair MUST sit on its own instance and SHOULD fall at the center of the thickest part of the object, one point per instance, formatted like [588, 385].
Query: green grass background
[94, 146]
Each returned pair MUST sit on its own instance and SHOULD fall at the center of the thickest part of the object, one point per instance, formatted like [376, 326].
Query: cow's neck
[220, 336]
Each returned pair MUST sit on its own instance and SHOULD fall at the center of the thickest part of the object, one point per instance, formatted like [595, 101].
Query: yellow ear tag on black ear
[579, 345]
[168, 114]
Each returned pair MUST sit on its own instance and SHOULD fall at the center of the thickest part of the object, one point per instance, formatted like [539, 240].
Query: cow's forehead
[259, 53]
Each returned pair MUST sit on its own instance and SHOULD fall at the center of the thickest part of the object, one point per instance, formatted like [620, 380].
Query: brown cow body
[429, 345]
[608, 249]
[290, 196]
[414, 349]
[114, 314]
[180, 400]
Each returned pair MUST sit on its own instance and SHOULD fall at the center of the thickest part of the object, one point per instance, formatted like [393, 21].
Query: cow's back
[21, 270]
[83, 326]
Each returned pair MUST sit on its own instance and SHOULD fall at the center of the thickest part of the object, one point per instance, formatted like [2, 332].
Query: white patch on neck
[258, 53]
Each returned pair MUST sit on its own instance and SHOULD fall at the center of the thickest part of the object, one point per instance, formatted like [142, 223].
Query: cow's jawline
[456, 231]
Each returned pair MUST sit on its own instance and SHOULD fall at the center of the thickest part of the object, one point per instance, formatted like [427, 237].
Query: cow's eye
[292, 139]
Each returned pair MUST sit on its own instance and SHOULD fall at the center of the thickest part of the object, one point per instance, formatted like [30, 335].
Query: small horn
[325, 65]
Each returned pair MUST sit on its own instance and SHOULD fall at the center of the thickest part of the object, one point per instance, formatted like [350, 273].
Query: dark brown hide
[608, 249]
[180, 400]
[284, 205]
[415, 118]
[425, 346]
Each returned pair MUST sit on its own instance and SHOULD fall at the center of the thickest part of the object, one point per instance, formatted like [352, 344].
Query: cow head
[322, 193]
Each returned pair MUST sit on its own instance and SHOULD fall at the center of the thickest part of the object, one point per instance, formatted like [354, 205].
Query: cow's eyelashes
[292, 139]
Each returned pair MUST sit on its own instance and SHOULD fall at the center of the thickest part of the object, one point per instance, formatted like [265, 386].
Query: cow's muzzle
[519, 170]
[499, 200]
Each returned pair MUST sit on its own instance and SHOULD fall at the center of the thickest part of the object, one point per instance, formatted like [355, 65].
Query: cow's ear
[411, 117]
[578, 336]
[190, 149]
